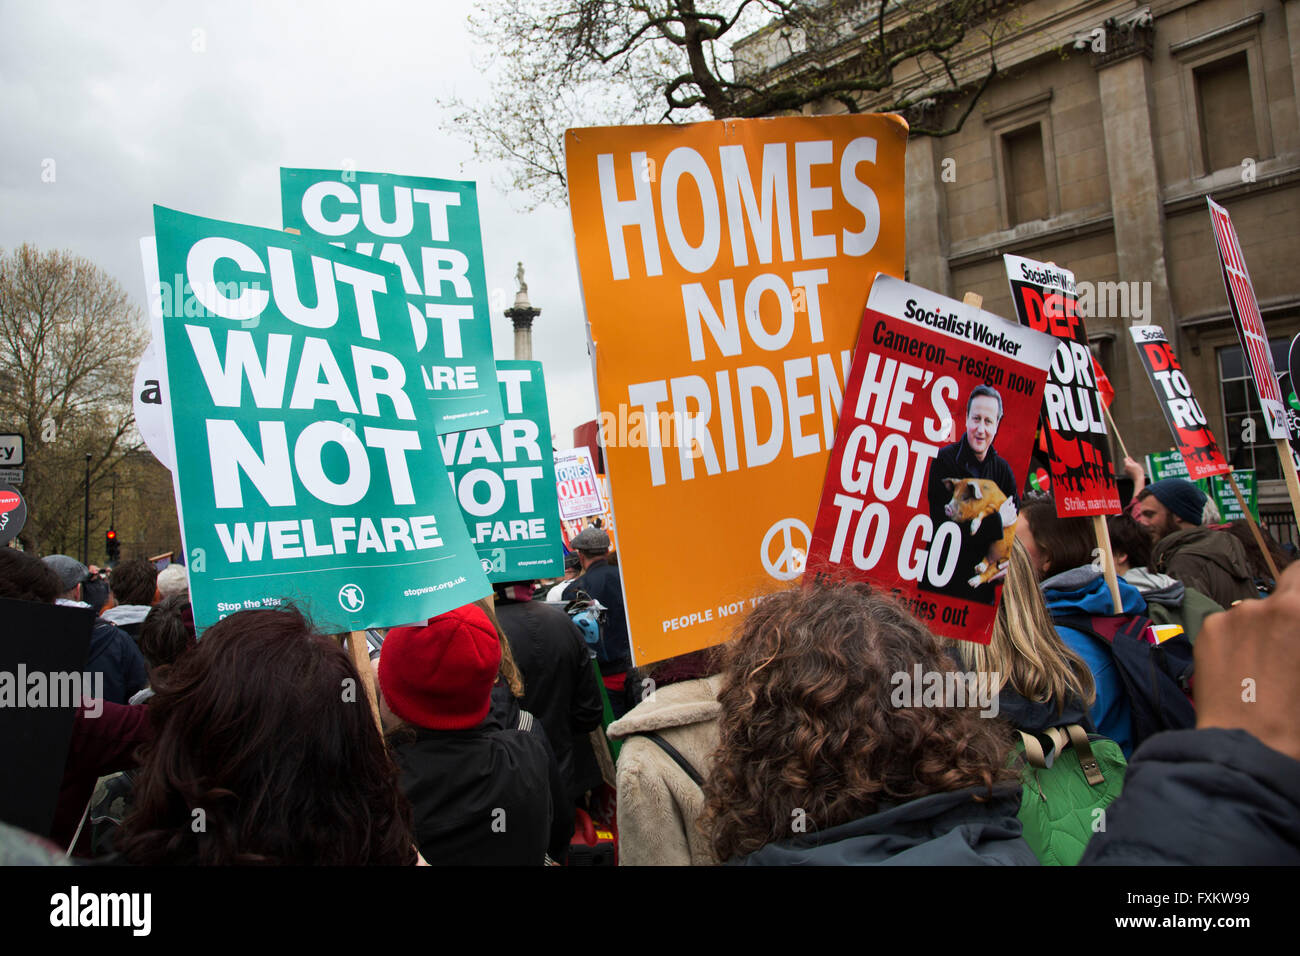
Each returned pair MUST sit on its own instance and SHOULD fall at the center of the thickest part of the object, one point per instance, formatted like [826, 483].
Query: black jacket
[115, 655]
[1208, 797]
[560, 687]
[946, 829]
[602, 582]
[482, 797]
[1035, 717]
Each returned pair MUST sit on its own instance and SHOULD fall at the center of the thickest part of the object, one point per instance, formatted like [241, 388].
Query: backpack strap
[1077, 738]
[677, 758]
[1087, 759]
[1033, 750]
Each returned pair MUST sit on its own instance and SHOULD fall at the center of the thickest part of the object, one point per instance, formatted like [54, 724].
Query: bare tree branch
[69, 344]
[571, 63]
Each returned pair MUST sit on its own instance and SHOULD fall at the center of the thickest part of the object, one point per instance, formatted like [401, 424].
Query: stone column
[522, 314]
[1123, 81]
[1123, 65]
[1293, 41]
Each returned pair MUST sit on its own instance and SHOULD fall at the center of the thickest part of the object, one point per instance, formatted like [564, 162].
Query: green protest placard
[1170, 464]
[305, 467]
[429, 229]
[505, 482]
[1229, 507]
[1165, 464]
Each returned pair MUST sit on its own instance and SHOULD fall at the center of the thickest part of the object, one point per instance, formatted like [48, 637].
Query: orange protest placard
[725, 267]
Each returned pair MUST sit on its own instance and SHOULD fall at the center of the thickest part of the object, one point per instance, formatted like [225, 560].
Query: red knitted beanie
[440, 675]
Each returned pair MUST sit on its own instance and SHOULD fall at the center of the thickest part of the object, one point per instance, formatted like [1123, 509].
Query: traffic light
[112, 545]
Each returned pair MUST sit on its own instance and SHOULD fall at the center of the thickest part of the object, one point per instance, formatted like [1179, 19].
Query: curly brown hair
[807, 720]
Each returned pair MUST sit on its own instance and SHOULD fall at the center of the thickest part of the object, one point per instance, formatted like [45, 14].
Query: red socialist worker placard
[1078, 448]
[935, 433]
[1186, 420]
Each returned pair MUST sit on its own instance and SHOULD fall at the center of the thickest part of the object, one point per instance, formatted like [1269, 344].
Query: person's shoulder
[108, 637]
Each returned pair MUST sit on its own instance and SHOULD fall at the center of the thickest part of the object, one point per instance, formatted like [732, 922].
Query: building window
[1024, 160]
[1241, 404]
[1026, 174]
[1225, 102]
[1225, 112]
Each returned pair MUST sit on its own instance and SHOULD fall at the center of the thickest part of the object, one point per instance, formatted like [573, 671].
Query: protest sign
[149, 389]
[43, 680]
[1083, 477]
[505, 482]
[576, 486]
[604, 520]
[922, 489]
[1292, 401]
[152, 416]
[724, 270]
[13, 513]
[1169, 464]
[1186, 420]
[305, 466]
[429, 229]
[1249, 323]
[1226, 500]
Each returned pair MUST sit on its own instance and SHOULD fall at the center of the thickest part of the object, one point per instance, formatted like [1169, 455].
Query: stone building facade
[1096, 148]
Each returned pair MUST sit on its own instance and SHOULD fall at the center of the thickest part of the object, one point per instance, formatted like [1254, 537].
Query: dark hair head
[167, 631]
[1065, 543]
[1240, 529]
[265, 727]
[1129, 538]
[94, 591]
[808, 719]
[984, 391]
[25, 577]
[134, 582]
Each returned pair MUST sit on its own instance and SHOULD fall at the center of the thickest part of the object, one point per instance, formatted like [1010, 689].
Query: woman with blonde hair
[1042, 683]
[1044, 692]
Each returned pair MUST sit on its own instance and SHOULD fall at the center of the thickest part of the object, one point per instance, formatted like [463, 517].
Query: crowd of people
[514, 731]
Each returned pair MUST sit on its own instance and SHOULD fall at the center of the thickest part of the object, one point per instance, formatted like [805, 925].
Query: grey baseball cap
[591, 539]
[71, 572]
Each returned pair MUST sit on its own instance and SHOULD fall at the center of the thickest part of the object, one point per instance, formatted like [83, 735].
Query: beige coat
[658, 804]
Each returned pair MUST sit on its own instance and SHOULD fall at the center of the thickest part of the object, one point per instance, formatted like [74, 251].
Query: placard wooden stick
[1254, 528]
[1114, 430]
[1102, 534]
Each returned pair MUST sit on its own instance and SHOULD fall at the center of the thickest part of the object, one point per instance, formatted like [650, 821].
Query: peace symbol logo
[791, 537]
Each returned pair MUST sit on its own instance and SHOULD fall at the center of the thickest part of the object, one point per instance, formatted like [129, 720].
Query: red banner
[932, 447]
[1104, 388]
[1078, 448]
[1186, 420]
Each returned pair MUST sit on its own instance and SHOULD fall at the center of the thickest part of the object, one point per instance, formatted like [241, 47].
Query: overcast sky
[196, 106]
